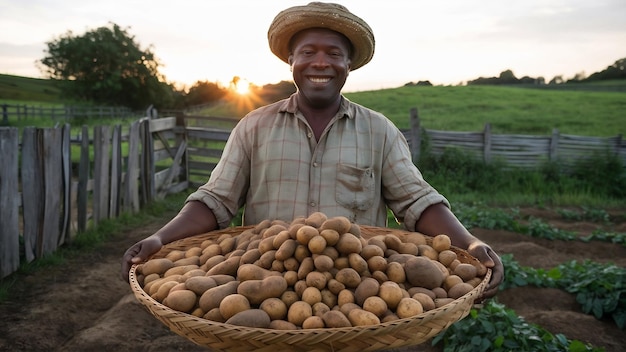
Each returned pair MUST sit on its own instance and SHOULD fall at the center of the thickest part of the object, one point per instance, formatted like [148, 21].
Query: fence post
[416, 139]
[487, 143]
[9, 198]
[554, 145]
[5, 115]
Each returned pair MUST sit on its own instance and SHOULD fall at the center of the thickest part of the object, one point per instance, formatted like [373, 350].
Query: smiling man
[316, 151]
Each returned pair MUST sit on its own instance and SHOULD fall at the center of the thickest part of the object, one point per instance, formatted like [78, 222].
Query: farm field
[84, 305]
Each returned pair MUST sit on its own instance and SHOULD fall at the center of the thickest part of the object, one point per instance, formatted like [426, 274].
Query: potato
[252, 272]
[367, 288]
[348, 277]
[371, 250]
[323, 263]
[233, 304]
[446, 257]
[255, 318]
[227, 267]
[341, 224]
[375, 305]
[227, 244]
[180, 270]
[156, 266]
[212, 261]
[256, 291]
[266, 259]
[289, 297]
[164, 290]
[440, 292]
[311, 295]
[291, 277]
[316, 219]
[425, 300]
[317, 244]
[344, 297]
[348, 243]
[391, 293]
[440, 302]
[428, 251]
[408, 248]
[441, 242]
[212, 297]
[298, 312]
[177, 254]
[282, 325]
[336, 319]
[335, 286]
[380, 276]
[306, 266]
[346, 308]
[395, 272]
[199, 284]
[450, 281]
[280, 238]
[429, 293]
[393, 242]
[329, 298]
[302, 252]
[361, 317]
[423, 272]
[305, 233]
[286, 249]
[465, 271]
[409, 307]
[378, 263]
[291, 264]
[459, 290]
[316, 279]
[214, 315]
[331, 236]
[222, 279]
[193, 273]
[274, 230]
[320, 308]
[195, 260]
[275, 308]
[313, 322]
[181, 300]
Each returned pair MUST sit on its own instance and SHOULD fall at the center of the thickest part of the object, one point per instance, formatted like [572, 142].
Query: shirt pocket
[355, 187]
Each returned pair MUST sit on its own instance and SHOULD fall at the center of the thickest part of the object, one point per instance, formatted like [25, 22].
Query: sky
[446, 42]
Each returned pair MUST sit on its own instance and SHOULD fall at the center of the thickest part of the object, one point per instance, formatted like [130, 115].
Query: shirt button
[312, 204]
[309, 135]
[314, 164]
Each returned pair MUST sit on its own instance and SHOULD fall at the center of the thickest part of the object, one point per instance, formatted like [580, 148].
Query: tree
[106, 66]
[204, 92]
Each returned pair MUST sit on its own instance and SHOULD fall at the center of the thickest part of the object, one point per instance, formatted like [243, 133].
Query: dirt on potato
[83, 305]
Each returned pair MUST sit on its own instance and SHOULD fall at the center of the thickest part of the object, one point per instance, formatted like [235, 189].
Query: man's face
[320, 62]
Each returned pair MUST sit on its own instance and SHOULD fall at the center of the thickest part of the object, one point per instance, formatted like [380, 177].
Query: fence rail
[67, 113]
[47, 198]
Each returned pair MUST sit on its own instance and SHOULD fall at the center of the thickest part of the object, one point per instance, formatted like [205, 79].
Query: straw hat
[321, 15]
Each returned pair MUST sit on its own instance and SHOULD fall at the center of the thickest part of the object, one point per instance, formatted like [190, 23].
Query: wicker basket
[227, 337]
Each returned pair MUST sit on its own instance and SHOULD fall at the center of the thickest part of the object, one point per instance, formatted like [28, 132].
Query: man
[317, 151]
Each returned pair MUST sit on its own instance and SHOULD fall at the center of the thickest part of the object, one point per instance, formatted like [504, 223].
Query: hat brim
[321, 15]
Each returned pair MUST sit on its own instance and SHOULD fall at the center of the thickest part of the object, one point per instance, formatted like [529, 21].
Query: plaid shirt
[274, 165]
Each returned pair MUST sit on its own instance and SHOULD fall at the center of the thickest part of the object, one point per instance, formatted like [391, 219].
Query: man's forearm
[193, 219]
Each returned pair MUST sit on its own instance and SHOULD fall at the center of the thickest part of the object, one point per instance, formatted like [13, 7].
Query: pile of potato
[315, 272]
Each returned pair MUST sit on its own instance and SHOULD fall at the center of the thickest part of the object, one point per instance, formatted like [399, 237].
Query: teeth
[319, 80]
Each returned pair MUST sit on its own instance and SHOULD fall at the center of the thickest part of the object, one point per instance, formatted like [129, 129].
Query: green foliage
[600, 288]
[106, 66]
[496, 328]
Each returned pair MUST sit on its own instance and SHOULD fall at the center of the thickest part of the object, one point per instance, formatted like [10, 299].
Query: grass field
[509, 110]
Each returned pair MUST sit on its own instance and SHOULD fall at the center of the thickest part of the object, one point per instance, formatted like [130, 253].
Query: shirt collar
[290, 106]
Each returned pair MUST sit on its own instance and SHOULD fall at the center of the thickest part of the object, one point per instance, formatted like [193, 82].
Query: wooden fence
[49, 198]
[67, 113]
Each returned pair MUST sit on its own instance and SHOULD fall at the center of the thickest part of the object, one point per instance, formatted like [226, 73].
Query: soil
[83, 305]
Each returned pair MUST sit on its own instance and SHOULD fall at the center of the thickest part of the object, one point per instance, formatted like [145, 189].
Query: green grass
[27, 89]
[509, 110]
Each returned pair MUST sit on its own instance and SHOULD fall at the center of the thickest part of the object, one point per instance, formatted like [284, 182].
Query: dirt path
[83, 305]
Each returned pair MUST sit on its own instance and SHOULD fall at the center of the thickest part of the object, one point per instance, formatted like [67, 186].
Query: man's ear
[290, 61]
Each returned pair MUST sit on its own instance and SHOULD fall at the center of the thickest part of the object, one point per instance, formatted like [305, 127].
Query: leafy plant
[497, 328]
[600, 288]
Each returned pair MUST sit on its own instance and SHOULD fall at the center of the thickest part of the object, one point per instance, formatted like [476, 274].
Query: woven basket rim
[166, 314]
